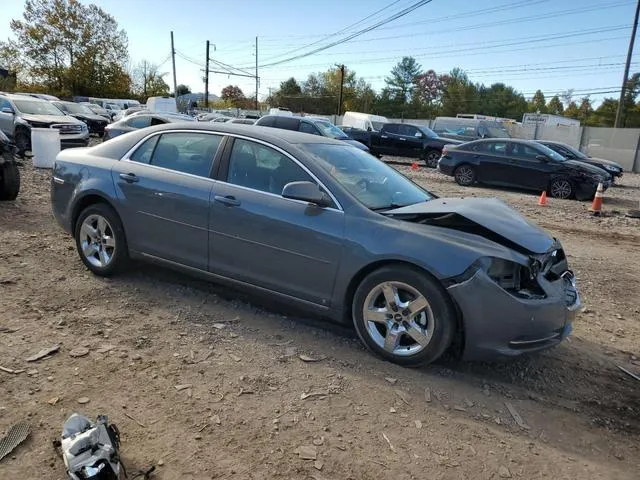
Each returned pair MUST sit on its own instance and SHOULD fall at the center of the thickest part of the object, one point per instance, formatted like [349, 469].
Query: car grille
[68, 128]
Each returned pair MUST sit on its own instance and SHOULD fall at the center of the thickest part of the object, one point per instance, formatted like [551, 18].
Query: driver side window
[262, 168]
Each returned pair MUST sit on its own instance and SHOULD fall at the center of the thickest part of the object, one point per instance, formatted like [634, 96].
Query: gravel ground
[253, 406]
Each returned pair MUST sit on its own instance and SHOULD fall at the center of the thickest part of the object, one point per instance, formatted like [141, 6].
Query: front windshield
[371, 181]
[328, 129]
[37, 107]
[96, 109]
[77, 108]
[552, 154]
[428, 132]
[113, 106]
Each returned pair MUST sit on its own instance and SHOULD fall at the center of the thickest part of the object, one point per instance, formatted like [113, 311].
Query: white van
[162, 104]
[283, 112]
[364, 121]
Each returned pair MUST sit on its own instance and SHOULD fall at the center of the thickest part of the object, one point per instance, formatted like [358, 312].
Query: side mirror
[7, 110]
[542, 158]
[307, 192]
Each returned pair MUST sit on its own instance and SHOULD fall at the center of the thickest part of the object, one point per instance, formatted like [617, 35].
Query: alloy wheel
[432, 159]
[97, 241]
[464, 175]
[561, 189]
[398, 318]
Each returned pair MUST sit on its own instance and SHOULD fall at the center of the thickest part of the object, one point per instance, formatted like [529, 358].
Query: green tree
[70, 48]
[584, 110]
[555, 106]
[501, 100]
[182, 89]
[538, 103]
[290, 87]
[459, 95]
[402, 79]
[149, 82]
[232, 95]
[572, 110]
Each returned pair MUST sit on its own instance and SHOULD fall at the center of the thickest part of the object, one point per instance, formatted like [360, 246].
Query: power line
[393, 17]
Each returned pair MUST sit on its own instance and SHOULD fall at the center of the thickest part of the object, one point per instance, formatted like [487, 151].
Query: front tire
[100, 240]
[9, 181]
[465, 175]
[431, 158]
[403, 315]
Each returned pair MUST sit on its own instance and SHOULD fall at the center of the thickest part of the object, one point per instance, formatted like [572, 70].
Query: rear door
[389, 143]
[259, 237]
[164, 190]
[492, 161]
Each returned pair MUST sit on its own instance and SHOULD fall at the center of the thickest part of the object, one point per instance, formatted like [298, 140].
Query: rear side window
[492, 148]
[524, 151]
[287, 123]
[392, 128]
[191, 153]
[144, 151]
[139, 122]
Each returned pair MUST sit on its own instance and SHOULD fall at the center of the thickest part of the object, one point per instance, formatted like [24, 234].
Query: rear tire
[415, 327]
[561, 188]
[100, 240]
[431, 158]
[9, 181]
[465, 175]
[23, 142]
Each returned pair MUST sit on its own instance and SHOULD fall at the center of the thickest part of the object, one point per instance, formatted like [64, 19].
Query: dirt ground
[249, 406]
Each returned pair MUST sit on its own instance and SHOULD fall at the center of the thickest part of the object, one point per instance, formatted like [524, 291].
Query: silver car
[323, 225]
[19, 113]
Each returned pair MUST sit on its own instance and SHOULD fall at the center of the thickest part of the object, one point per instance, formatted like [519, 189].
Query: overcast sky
[553, 45]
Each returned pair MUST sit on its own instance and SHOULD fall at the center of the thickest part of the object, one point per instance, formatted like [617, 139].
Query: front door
[412, 144]
[525, 169]
[493, 162]
[259, 237]
[164, 190]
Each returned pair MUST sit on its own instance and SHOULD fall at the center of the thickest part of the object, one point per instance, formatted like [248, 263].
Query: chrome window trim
[244, 137]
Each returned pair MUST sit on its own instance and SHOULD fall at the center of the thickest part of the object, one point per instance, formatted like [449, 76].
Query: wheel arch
[86, 201]
[457, 345]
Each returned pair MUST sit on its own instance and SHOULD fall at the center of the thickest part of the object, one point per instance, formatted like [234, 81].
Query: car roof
[20, 96]
[117, 147]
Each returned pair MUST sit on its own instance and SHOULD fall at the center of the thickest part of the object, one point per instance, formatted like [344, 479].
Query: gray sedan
[141, 119]
[322, 225]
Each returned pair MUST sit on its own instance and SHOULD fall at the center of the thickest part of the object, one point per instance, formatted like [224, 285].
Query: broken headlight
[516, 279]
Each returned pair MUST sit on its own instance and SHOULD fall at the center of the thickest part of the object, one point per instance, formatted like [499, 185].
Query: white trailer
[364, 121]
[548, 120]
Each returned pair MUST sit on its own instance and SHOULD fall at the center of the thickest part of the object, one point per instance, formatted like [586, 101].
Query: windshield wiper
[391, 206]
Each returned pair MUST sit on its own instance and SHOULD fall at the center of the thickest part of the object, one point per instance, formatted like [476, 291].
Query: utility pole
[173, 61]
[257, 107]
[341, 85]
[626, 69]
[206, 79]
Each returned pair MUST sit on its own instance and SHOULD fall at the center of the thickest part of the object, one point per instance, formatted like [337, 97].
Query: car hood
[488, 217]
[49, 118]
[602, 161]
[88, 116]
[584, 167]
[355, 143]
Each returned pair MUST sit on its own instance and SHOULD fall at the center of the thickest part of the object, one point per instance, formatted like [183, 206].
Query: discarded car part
[90, 451]
[9, 173]
[16, 435]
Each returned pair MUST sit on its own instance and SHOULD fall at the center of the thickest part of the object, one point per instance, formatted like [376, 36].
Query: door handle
[403, 139]
[229, 200]
[383, 136]
[129, 177]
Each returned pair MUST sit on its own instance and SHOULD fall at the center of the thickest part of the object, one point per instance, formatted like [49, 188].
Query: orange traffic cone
[543, 199]
[596, 206]
[414, 166]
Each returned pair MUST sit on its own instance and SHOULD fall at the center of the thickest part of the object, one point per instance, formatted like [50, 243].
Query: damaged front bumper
[498, 323]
